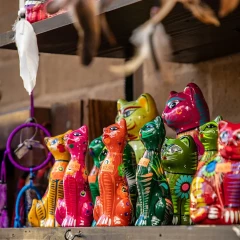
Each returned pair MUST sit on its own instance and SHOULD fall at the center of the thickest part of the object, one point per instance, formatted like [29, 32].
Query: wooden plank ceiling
[192, 40]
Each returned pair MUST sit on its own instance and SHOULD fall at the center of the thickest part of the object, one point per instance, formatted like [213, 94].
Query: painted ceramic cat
[76, 209]
[215, 191]
[98, 152]
[42, 213]
[137, 113]
[185, 112]
[113, 206]
[208, 135]
[96, 148]
[180, 158]
[154, 205]
[129, 169]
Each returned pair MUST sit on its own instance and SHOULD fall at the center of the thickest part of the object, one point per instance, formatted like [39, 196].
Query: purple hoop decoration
[8, 147]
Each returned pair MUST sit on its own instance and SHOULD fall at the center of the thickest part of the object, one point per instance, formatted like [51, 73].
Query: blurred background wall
[62, 79]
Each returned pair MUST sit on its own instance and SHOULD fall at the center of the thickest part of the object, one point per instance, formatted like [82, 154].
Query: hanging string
[31, 105]
[31, 177]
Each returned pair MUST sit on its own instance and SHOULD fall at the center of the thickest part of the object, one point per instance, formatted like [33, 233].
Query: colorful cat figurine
[180, 159]
[113, 206]
[185, 112]
[98, 151]
[42, 212]
[208, 135]
[137, 113]
[154, 205]
[76, 209]
[215, 191]
[96, 148]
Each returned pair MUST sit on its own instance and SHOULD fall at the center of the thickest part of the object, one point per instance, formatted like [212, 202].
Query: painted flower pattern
[209, 169]
[85, 174]
[182, 186]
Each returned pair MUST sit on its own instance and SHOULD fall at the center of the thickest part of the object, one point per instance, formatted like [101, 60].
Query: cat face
[153, 133]
[229, 140]
[96, 147]
[77, 141]
[208, 134]
[115, 136]
[136, 113]
[56, 146]
[186, 110]
[180, 155]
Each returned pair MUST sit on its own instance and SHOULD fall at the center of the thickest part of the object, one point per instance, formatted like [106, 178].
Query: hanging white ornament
[26, 42]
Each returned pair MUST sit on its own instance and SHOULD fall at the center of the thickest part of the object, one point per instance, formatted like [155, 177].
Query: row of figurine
[140, 177]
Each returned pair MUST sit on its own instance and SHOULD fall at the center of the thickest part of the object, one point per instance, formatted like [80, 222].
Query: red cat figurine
[113, 206]
[215, 191]
[186, 111]
[76, 209]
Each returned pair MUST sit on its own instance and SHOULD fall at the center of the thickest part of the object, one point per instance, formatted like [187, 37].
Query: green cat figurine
[96, 152]
[180, 159]
[208, 135]
[154, 205]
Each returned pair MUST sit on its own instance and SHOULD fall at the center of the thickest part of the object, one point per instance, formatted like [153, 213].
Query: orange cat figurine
[113, 206]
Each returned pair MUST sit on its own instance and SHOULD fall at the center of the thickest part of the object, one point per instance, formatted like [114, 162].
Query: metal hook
[69, 236]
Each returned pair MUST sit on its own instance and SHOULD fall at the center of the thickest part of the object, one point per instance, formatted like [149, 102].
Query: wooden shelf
[192, 40]
[126, 233]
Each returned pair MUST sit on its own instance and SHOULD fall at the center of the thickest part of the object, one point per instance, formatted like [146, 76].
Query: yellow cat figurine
[137, 114]
[42, 212]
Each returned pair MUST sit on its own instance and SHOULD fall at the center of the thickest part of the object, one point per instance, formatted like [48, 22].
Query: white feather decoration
[26, 42]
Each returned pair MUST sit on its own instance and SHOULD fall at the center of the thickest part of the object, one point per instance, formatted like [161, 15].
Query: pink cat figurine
[186, 111]
[76, 209]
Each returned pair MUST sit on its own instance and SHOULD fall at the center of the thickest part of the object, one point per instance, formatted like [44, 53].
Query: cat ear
[144, 101]
[120, 103]
[222, 125]
[192, 89]
[66, 135]
[84, 129]
[172, 93]
[218, 119]
[185, 140]
[158, 121]
[69, 131]
[46, 139]
[122, 123]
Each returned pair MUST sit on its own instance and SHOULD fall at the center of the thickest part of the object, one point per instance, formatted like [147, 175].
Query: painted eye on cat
[77, 134]
[149, 126]
[128, 113]
[210, 126]
[113, 128]
[224, 137]
[174, 149]
[97, 141]
[173, 104]
[54, 141]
